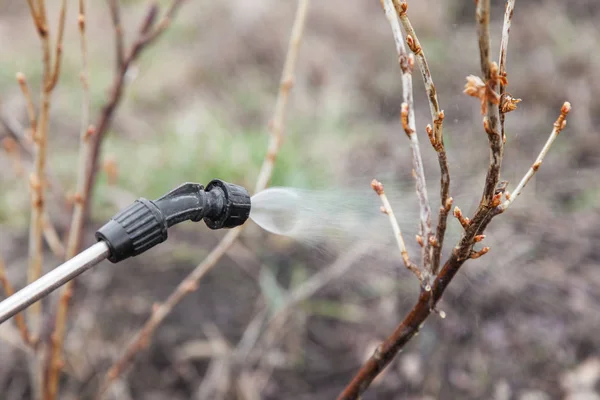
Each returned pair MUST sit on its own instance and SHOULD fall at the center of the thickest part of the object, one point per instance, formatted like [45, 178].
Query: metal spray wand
[139, 227]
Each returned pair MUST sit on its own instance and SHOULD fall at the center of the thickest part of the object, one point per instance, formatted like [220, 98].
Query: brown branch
[164, 23]
[9, 291]
[435, 134]
[510, 7]
[387, 209]
[58, 49]
[559, 125]
[489, 207]
[407, 116]
[13, 149]
[491, 119]
[143, 337]
[115, 14]
[22, 80]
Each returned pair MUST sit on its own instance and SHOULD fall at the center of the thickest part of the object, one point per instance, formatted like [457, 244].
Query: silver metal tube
[53, 280]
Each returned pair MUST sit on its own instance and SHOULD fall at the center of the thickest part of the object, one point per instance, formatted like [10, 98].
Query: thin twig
[164, 23]
[9, 291]
[190, 283]
[29, 102]
[559, 125]
[491, 119]
[387, 209]
[12, 148]
[415, 46]
[406, 63]
[435, 133]
[508, 14]
[58, 48]
[115, 14]
[55, 362]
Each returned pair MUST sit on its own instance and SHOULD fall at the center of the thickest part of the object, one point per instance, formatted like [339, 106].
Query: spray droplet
[317, 217]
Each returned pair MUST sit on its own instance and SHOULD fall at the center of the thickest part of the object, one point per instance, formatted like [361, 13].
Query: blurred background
[521, 321]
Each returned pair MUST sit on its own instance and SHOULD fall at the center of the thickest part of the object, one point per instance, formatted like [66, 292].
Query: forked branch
[490, 206]
[386, 208]
[559, 125]
[435, 133]
[407, 117]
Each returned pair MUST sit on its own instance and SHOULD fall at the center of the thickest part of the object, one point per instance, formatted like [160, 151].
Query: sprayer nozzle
[236, 206]
[144, 223]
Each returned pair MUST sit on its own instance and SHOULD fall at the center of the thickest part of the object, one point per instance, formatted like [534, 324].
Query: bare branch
[510, 7]
[115, 14]
[163, 23]
[491, 119]
[387, 209]
[28, 101]
[406, 63]
[190, 283]
[559, 125]
[435, 134]
[58, 49]
[12, 148]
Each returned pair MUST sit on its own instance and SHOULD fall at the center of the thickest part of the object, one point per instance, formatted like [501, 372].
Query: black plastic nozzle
[144, 223]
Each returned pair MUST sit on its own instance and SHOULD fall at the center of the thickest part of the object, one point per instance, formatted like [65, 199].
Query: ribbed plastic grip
[134, 230]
